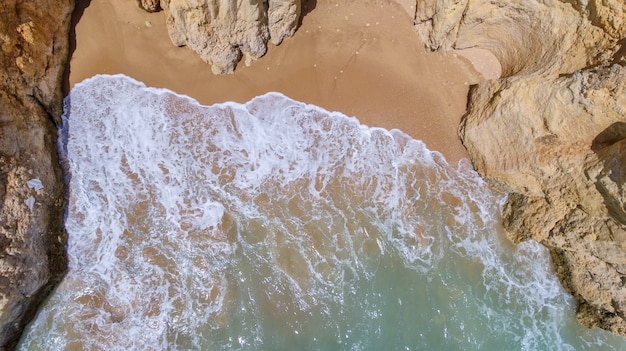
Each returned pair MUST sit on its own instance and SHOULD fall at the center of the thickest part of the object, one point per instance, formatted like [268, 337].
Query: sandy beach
[362, 58]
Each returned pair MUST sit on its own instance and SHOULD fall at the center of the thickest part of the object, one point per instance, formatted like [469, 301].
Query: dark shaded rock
[33, 55]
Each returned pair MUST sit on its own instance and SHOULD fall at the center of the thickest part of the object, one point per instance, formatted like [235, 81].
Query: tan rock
[283, 17]
[552, 132]
[224, 31]
[33, 52]
[150, 5]
[527, 36]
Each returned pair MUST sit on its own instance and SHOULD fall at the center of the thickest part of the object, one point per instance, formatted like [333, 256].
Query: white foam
[214, 227]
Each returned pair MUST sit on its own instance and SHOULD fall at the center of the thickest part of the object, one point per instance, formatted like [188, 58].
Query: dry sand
[359, 57]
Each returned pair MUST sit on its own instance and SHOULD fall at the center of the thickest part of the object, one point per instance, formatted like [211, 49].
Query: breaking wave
[279, 225]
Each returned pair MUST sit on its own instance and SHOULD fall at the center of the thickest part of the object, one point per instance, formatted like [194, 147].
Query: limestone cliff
[33, 52]
[552, 131]
[222, 31]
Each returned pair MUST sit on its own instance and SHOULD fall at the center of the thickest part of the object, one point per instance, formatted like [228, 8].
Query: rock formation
[552, 131]
[33, 53]
[222, 31]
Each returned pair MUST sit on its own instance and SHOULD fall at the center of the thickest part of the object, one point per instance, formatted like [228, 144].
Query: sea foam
[279, 225]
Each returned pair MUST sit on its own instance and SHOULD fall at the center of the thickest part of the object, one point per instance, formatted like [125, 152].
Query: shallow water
[277, 225]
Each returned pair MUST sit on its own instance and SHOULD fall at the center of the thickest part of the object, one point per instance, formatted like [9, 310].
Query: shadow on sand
[79, 9]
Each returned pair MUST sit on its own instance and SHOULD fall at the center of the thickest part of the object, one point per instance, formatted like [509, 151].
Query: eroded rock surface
[33, 53]
[224, 31]
[528, 37]
[534, 138]
[552, 131]
[150, 5]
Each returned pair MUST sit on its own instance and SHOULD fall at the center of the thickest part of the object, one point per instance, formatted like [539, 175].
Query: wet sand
[359, 57]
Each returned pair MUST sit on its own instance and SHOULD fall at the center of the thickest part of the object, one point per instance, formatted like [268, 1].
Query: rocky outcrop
[222, 31]
[552, 131]
[528, 37]
[33, 53]
[555, 146]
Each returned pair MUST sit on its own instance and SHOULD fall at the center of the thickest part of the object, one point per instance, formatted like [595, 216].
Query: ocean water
[277, 225]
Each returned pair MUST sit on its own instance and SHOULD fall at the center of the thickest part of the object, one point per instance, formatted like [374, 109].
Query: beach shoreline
[360, 58]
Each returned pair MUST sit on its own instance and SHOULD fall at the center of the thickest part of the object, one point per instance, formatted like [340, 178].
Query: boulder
[33, 54]
[224, 31]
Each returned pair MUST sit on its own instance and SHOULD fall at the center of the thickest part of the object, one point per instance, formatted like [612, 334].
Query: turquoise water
[276, 225]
